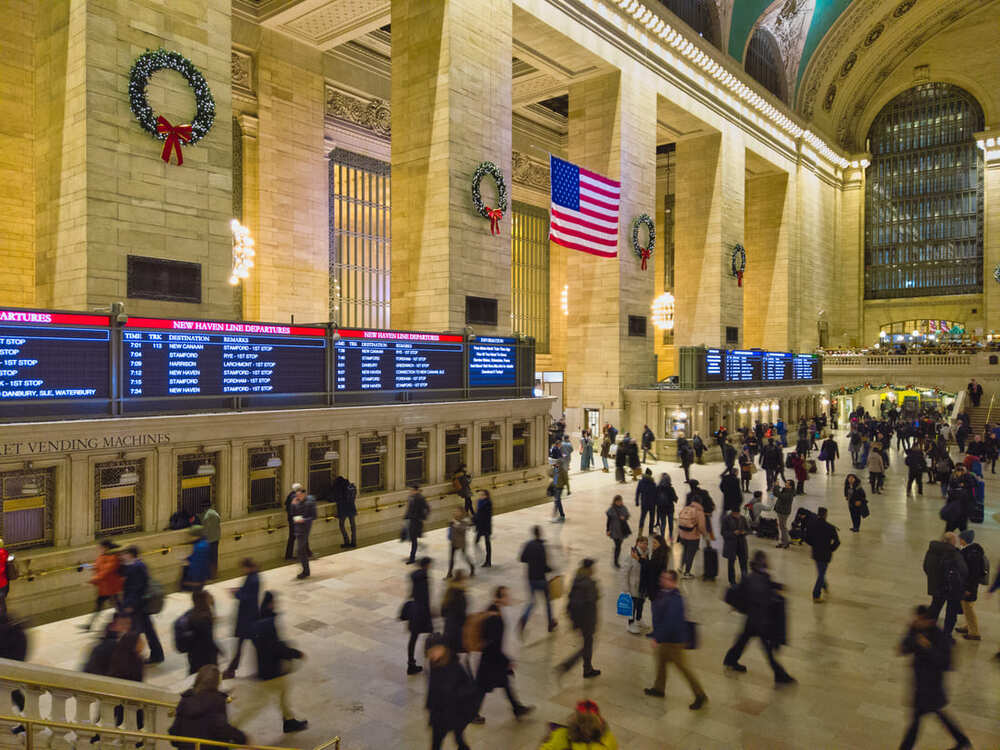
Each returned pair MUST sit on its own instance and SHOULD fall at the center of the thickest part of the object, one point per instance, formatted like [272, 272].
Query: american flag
[584, 214]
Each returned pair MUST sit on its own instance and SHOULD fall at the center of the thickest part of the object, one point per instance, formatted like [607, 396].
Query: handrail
[91, 729]
[89, 692]
[989, 410]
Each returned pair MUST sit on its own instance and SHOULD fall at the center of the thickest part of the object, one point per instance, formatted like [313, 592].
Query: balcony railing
[833, 361]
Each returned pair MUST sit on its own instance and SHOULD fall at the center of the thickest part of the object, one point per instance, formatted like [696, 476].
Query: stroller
[800, 524]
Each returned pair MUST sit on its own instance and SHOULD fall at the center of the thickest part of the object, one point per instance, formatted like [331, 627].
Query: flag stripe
[598, 189]
[585, 235]
[600, 178]
[595, 203]
[566, 216]
[585, 248]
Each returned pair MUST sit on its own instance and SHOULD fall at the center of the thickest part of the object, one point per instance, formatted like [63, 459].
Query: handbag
[555, 587]
[10, 569]
[625, 605]
[864, 510]
[406, 611]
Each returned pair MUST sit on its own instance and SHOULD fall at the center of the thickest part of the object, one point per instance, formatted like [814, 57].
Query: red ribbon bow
[644, 254]
[495, 215]
[739, 278]
[587, 707]
[176, 134]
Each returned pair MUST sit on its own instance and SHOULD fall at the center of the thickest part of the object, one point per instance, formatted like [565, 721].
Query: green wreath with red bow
[493, 214]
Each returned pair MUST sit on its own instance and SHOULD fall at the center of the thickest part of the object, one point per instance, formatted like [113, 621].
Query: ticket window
[416, 458]
[265, 479]
[521, 444]
[454, 450]
[374, 453]
[489, 449]
[324, 468]
[118, 505]
[196, 482]
[26, 517]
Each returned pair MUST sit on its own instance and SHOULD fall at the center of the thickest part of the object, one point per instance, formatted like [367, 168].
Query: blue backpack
[624, 605]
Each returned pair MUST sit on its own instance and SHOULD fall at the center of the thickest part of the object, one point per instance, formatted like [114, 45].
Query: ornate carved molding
[529, 172]
[368, 113]
[242, 73]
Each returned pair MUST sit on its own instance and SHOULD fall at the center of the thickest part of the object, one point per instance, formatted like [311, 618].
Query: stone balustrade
[63, 696]
[904, 360]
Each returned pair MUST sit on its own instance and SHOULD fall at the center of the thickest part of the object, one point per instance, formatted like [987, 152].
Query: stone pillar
[451, 110]
[709, 222]
[847, 320]
[612, 131]
[991, 239]
[766, 281]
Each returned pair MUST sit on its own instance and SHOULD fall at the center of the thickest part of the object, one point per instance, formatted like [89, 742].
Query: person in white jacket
[635, 581]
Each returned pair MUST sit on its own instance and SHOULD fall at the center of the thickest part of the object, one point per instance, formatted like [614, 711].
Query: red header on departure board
[347, 333]
[216, 326]
[41, 317]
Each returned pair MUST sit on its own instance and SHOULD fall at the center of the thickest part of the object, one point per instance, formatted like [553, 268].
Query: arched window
[700, 15]
[763, 63]
[924, 196]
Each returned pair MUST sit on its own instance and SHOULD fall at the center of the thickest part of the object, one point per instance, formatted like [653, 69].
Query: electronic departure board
[492, 361]
[163, 358]
[50, 355]
[397, 361]
[724, 368]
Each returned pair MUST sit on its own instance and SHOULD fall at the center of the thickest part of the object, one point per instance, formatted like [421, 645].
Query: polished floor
[852, 689]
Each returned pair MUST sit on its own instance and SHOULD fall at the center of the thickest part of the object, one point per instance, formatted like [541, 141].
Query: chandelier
[663, 312]
[243, 252]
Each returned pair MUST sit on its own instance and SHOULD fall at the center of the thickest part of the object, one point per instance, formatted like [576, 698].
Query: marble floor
[852, 689]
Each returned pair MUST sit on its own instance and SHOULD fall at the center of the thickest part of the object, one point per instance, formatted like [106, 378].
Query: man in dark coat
[419, 613]
[134, 601]
[272, 657]
[303, 510]
[734, 529]
[346, 495]
[916, 465]
[947, 575]
[822, 536]
[732, 494]
[247, 612]
[728, 453]
[772, 461]
[417, 511]
[452, 696]
[955, 512]
[495, 666]
[931, 651]
[645, 496]
[685, 456]
[666, 497]
[290, 545]
[582, 608]
[756, 596]
[533, 555]
[647, 443]
[975, 392]
[483, 520]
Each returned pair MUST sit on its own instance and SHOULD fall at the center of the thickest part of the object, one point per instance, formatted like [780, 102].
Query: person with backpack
[136, 590]
[347, 511]
[106, 578]
[582, 610]
[772, 461]
[605, 452]
[666, 498]
[417, 511]
[555, 490]
[202, 712]
[454, 608]
[461, 483]
[457, 535]
[452, 694]
[586, 729]
[690, 529]
[829, 452]
[193, 632]
[645, 499]
[418, 612]
[757, 597]
[670, 637]
[822, 536]
[947, 575]
[747, 467]
[247, 612]
[495, 667]
[916, 465]
[273, 669]
[978, 566]
[635, 581]
[483, 520]
[931, 650]
[943, 467]
[199, 563]
[534, 556]
[616, 526]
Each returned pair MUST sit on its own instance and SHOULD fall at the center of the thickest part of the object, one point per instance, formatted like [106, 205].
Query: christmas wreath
[739, 263]
[158, 126]
[641, 252]
[493, 214]
[996, 273]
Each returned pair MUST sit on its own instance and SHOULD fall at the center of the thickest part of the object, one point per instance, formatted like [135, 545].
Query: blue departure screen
[492, 361]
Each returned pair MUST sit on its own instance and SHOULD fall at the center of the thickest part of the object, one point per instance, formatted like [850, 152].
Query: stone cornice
[369, 113]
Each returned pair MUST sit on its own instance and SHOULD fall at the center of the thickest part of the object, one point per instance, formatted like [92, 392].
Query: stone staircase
[977, 415]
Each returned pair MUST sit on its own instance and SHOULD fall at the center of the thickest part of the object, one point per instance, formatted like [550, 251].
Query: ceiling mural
[788, 21]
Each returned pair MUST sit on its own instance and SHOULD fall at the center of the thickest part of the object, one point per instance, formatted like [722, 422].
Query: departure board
[166, 358]
[738, 368]
[50, 355]
[492, 361]
[369, 360]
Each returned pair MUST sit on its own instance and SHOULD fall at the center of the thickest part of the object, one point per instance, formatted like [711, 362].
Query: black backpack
[183, 634]
[979, 566]
[952, 583]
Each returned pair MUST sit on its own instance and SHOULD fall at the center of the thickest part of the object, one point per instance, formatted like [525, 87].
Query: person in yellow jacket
[587, 730]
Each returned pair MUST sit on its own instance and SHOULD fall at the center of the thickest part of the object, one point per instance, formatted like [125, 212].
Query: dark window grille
[195, 485]
[763, 63]
[26, 517]
[489, 448]
[521, 444]
[529, 274]
[324, 468]
[636, 325]
[924, 196]
[373, 452]
[118, 488]
[454, 450]
[700, 15]
[481, 310]
[165, 280]
[416, 458]
[265, 481]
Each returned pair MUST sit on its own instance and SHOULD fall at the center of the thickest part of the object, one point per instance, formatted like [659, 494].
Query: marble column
[451, 110]
[612, 131]
[769, 209]
[991, 239]
[847, 327]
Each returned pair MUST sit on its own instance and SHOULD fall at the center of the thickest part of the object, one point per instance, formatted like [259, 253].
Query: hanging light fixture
[663, 312]
[243, 252]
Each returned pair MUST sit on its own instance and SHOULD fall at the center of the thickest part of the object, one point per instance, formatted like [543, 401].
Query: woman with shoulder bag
[617, 527]
[857, 501]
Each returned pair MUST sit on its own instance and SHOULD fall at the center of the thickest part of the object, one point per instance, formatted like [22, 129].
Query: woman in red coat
[801, 473]
[106, 578]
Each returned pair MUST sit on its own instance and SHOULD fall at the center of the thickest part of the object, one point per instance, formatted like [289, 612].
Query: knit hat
[967, 536]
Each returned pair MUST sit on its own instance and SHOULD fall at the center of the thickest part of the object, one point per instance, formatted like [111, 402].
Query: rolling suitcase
[767, 528]
[978, 506]
[711, 564]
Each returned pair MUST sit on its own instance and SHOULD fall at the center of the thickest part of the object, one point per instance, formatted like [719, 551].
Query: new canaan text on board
[70, 445]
